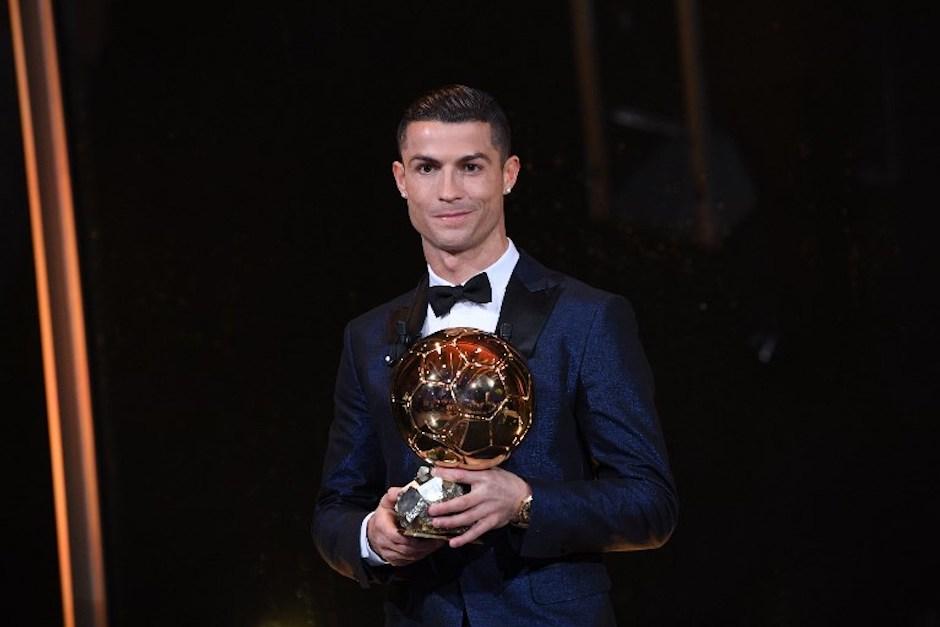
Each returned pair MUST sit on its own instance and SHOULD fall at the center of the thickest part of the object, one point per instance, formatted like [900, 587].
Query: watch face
[525, 511]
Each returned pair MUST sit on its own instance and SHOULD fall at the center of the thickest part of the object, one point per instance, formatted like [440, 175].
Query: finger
[396, 552]
[474, 532]
[397, 559]
[420, 542]
[396, 536]
[458, 504]
[385, 545]
[402, 552]
[413, 551]
[403, 543]
[463, 519]
[385, 523]
[419, 550]
[389, 498]
[383, 531]
[458, 475]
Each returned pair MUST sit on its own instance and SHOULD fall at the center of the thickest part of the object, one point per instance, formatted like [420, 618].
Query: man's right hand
[389, 542]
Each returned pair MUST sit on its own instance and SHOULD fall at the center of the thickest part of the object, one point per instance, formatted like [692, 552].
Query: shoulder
[368, 337]
[573, 293]
[377, 320]
[381, 313]
[595, 312]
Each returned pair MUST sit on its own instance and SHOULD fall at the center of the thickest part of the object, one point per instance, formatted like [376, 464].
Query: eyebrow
[474, 157]
[465, 159]
[424, 159]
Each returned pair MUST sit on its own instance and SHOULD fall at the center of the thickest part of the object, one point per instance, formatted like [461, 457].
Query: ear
[510, 173]
[398, 171]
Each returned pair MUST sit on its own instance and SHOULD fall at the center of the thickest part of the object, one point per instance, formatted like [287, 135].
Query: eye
[472, 167]
[425, 168]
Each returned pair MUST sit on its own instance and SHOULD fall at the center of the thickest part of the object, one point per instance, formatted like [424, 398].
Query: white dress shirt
[483, 316]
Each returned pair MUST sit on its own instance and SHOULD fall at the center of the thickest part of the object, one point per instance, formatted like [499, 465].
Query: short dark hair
[459, 103]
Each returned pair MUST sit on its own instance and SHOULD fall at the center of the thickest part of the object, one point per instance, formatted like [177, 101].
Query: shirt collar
[498, 272]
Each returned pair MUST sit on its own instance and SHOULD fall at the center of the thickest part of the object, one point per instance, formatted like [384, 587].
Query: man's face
[454, 180]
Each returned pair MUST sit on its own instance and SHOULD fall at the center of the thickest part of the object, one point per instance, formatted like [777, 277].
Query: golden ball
[462, 398]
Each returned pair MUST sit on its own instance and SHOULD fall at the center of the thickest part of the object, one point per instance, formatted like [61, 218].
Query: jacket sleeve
[353, 477]
[630, 503]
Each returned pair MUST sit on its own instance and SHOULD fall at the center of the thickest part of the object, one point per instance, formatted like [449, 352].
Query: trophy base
[441, 534]
[411, 507]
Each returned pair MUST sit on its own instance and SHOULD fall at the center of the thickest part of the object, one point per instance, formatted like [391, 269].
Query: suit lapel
[418, 311]
[530, 298]
[405, 322]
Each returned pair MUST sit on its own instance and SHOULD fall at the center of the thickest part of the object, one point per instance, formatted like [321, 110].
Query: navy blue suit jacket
[594, 457]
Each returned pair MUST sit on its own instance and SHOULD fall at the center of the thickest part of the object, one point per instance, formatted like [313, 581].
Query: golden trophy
[462, 398]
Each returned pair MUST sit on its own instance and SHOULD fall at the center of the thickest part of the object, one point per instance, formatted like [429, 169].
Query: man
[590, 476]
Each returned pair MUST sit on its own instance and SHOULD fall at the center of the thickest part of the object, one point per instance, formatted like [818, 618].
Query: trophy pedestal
[411, 507]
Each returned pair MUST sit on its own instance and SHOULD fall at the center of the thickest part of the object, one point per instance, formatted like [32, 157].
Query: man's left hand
[493, 501]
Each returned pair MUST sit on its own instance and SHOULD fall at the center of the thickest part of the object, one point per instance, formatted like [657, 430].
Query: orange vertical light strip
[75, 318]
[45, 320]
[597, 171]
[62, 326]
[696, 113]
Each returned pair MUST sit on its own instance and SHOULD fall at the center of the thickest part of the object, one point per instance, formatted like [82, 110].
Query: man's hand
[389, 542]
[493, 501]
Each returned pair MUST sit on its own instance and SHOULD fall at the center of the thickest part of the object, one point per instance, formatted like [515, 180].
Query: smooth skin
[389, 542]
[454, 180]
[493, 502]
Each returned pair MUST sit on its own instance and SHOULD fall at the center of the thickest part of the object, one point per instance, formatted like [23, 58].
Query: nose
[450, 188]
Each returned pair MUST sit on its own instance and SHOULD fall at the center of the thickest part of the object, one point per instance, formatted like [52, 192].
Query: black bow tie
[442, 297]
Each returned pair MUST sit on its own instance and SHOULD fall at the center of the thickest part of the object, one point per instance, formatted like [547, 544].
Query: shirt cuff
[365, 549]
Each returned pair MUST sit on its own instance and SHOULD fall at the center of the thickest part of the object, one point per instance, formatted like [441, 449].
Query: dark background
[235, 208]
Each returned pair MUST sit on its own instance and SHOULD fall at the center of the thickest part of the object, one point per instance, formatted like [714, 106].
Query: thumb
[389, 498]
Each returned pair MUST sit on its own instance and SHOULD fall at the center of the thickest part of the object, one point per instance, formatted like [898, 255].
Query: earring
[508, 189]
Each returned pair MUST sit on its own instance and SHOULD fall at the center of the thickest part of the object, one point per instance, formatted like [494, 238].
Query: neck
[457, 267]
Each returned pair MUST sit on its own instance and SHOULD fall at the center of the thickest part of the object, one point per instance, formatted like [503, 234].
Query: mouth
[453, 215]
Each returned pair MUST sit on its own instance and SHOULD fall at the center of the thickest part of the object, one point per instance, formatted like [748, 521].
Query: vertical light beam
[696, 115]
[592, 109]
[61, 318]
